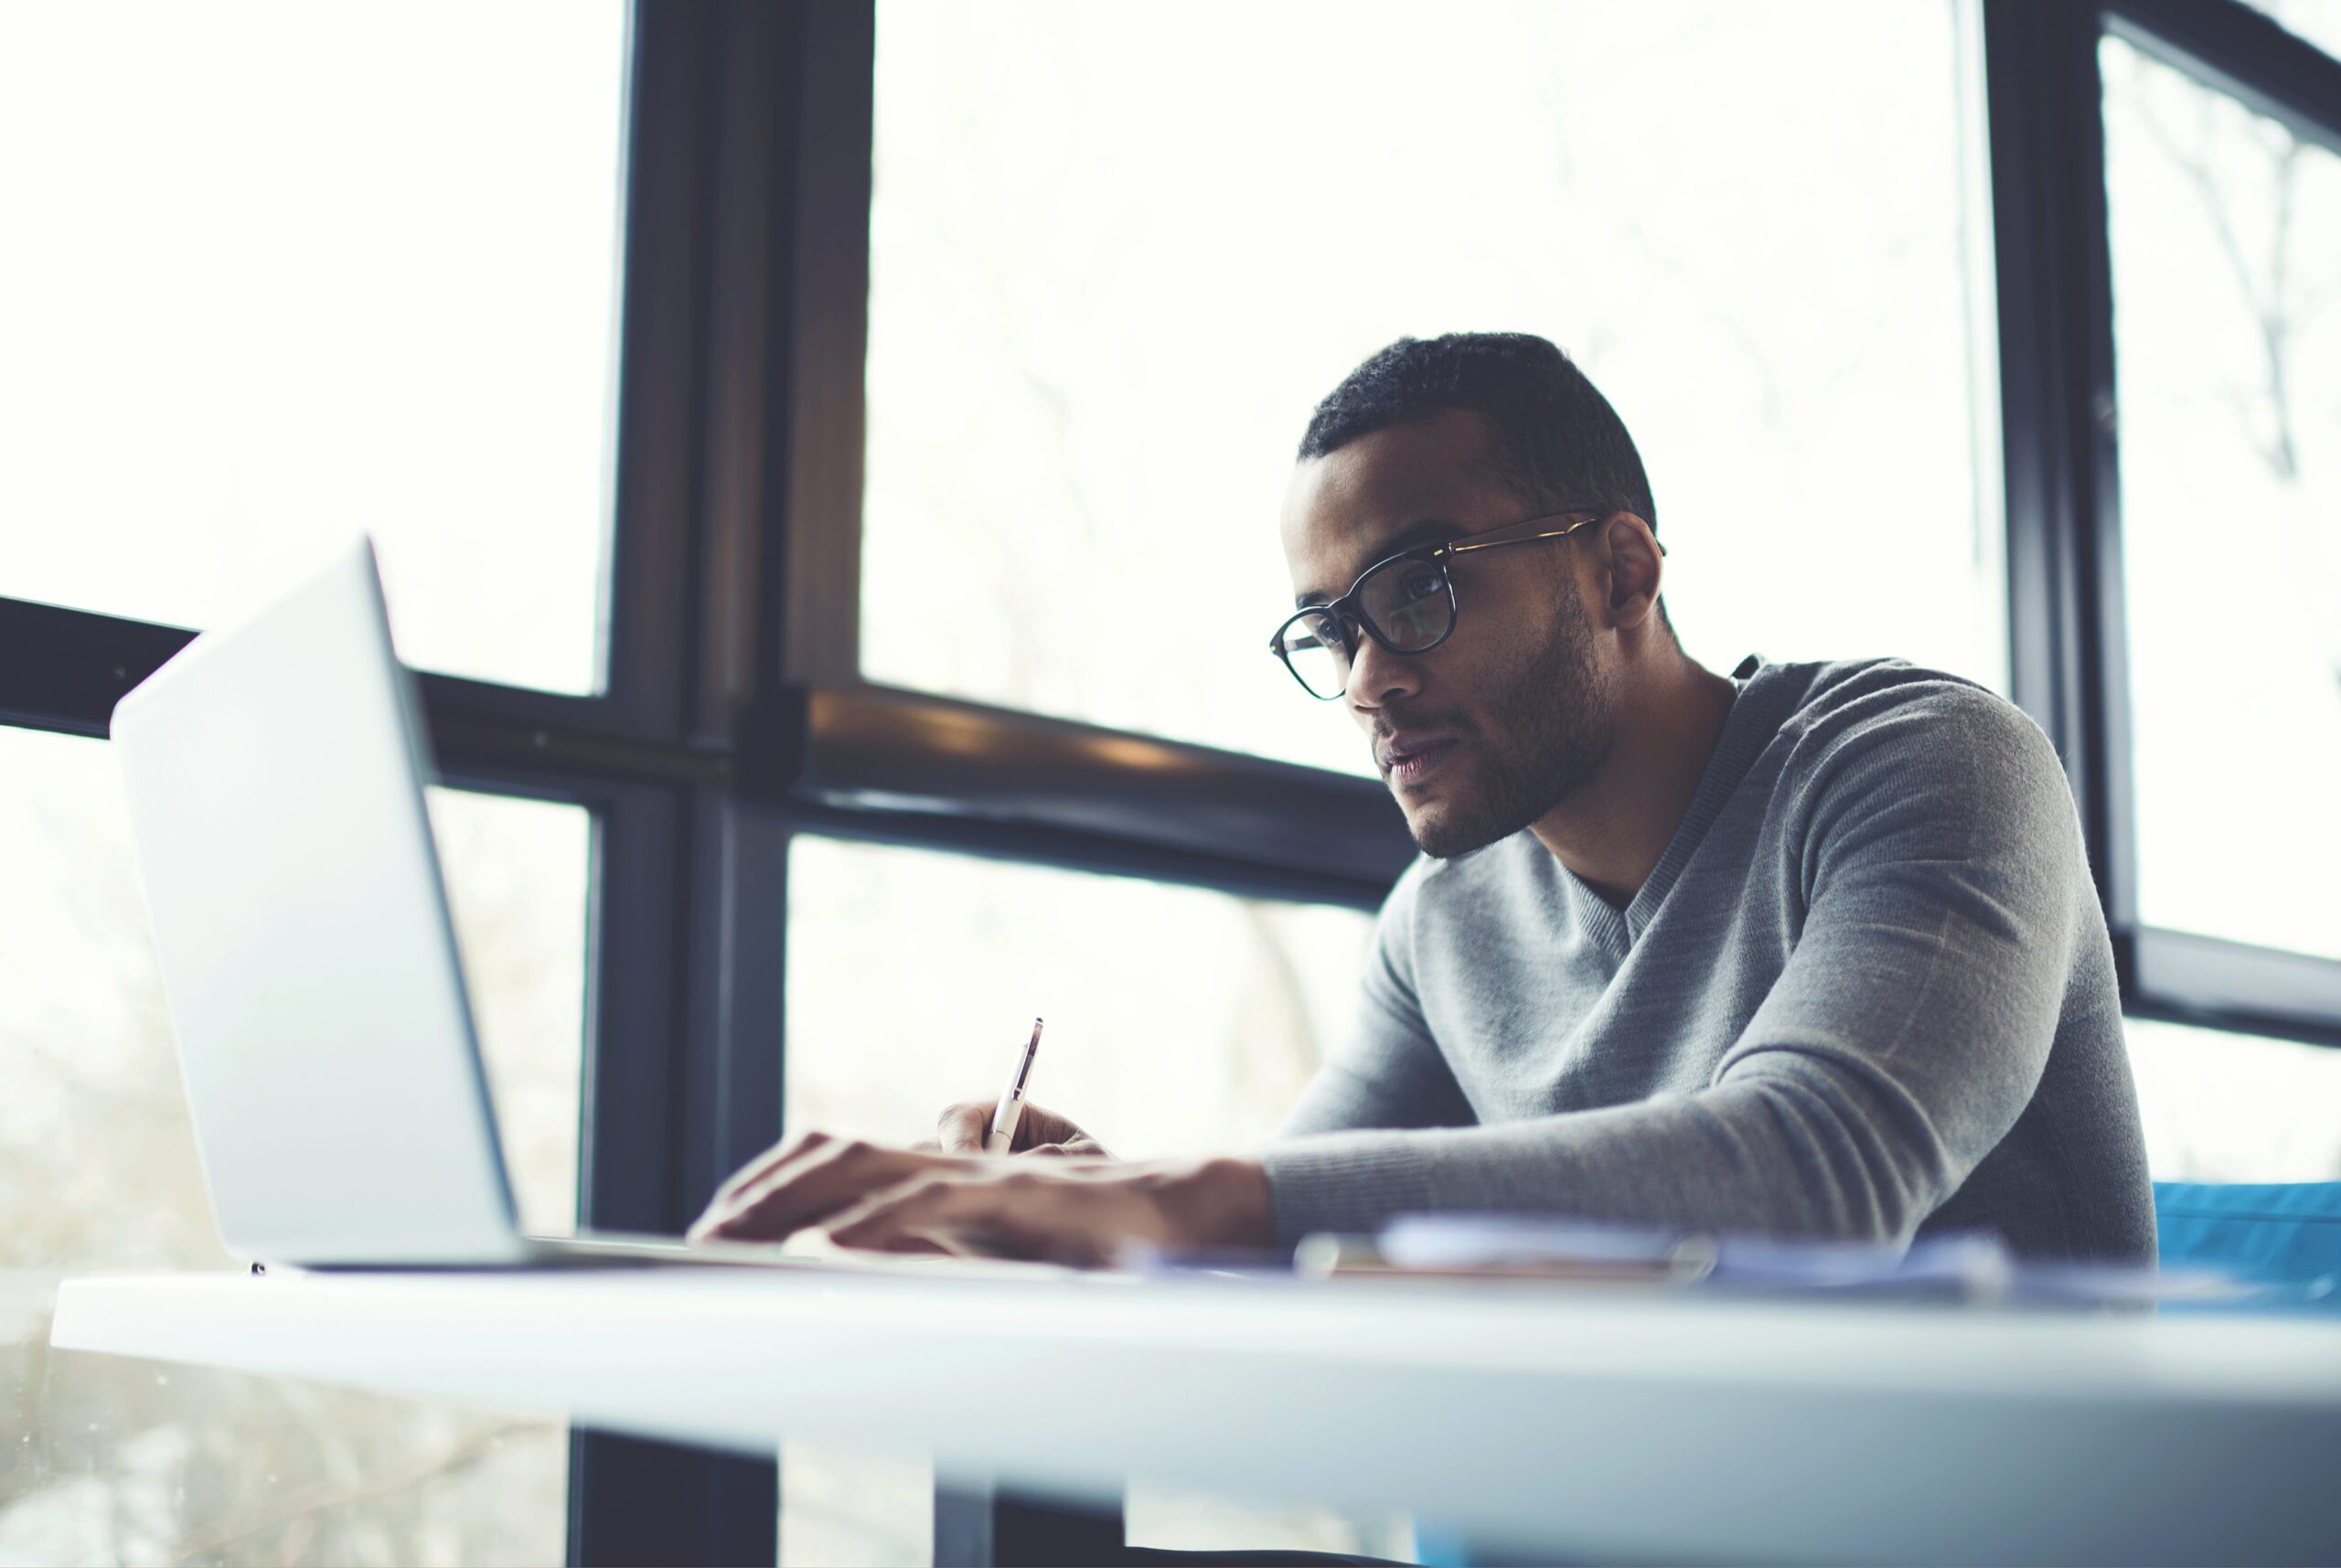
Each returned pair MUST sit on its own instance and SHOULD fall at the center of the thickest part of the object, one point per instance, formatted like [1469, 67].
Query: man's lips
[1409, 758]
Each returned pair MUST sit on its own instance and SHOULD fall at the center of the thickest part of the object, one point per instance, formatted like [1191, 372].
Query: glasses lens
[1313, 649]
[1409, 602]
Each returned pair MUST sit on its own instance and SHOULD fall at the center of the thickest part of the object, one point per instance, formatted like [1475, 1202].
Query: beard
[1556, 720]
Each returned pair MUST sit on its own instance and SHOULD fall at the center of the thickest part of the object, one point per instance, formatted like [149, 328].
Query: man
[1810, 951]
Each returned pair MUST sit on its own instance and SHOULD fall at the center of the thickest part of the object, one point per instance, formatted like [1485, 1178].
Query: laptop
[274, 771]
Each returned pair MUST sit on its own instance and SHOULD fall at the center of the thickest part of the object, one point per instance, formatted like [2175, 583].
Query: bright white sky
[278, 272]
[1104, 305]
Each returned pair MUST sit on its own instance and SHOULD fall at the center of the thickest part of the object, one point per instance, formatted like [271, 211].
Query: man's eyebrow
[1421, 531]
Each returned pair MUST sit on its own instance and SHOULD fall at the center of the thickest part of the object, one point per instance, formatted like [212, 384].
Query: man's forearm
[1798, 1150]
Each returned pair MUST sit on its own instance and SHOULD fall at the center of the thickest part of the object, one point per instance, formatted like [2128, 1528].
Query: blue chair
[2285, 1236]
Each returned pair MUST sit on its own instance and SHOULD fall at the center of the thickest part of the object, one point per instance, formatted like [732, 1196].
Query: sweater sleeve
[1389, 1073]
[1942, 862]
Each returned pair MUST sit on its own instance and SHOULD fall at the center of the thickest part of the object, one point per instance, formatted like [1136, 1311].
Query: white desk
[1596, 1424]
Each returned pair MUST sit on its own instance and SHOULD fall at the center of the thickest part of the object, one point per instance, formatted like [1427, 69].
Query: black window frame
[2060, 423]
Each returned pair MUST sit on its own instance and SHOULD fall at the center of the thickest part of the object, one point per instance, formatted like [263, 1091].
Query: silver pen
[1010, 1111]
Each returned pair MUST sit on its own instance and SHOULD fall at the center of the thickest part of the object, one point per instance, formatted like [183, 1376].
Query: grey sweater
[1867, 993]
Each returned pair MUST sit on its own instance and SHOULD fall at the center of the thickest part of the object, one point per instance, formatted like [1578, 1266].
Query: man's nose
[1378, 676]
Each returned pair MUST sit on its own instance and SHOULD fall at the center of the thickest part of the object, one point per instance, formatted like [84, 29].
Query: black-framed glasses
[1405, 602]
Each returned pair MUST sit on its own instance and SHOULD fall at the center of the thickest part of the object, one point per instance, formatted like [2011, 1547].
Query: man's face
[1482, 735]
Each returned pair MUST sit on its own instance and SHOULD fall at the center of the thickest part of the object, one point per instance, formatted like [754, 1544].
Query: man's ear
[1631, 569]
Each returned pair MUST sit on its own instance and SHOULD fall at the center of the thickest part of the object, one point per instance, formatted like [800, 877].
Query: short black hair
[1558, 443]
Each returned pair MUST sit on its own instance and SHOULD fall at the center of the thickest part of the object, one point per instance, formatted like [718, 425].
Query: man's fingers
[810, 1178]
[989, 1214]
[818, 1183]
[961, 1129]
[795, 1146]
[1057, 1216]
[896, 1214]
[788, 1193]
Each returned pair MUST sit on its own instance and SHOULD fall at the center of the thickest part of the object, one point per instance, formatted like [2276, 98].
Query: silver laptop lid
[275, 772]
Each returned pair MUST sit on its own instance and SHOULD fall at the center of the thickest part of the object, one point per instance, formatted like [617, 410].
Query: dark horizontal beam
[2201, 980]
[883, 765]
[510, 733]
[2242, 52]
[64, 669]
[876, 752]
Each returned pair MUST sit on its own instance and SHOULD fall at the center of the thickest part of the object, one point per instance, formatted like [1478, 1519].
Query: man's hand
[1072, 1210]
[961, 1129]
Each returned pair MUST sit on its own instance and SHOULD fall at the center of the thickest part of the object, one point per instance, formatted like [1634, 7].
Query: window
[120, 1460]
[2319, 21]
[279, 271]
[2226, 240]
[2235, 1107]
[1104, 303]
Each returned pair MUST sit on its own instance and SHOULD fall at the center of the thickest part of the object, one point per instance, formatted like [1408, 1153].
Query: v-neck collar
[1747, 728]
